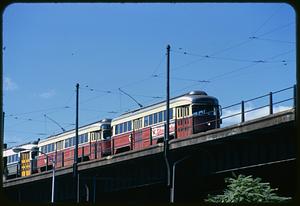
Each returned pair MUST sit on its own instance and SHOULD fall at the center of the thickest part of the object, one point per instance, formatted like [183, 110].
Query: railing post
[243, 111]
[62, 159]
[112, 146]
[95, 149]
[216, 125]
[150, 135]
[271, 103]
[295, 94]
[46, 163]
[131, 140]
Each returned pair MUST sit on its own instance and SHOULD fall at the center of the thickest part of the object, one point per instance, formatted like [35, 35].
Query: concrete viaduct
[263, 147]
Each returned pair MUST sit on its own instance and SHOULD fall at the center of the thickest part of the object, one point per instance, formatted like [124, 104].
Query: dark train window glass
[48, 148]
[125, 127]
[129, 125]
[146, 121]
[150, 119]
[116, 129]
[171, 113]
[105, 126]
[203, 110]
[155, 118]
[160, 116]
[121, 128]
[106, 134]
[86, 138]
[66, 143]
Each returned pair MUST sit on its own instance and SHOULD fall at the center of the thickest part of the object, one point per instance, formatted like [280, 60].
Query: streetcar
[93, 142]
[190, 113]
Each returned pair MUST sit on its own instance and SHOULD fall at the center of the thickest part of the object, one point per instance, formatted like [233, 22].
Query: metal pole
[77, 188]
[167, 118]
[94, 192]
[172, 190]
[271, 103]
[53, 181]
[243, 111]
[75, 169]
[295, 95]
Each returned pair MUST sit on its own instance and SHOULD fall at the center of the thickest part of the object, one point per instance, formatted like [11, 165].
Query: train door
[25, 164]
[106, 137]
[184, 125]
[137, 135]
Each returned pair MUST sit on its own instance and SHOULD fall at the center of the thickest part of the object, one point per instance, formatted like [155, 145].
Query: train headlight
[208, 124]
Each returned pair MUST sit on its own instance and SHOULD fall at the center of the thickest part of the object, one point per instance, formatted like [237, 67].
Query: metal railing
[270, 104]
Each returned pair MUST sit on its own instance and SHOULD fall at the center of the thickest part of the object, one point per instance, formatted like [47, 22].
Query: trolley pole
[75, 169]
[166, 139]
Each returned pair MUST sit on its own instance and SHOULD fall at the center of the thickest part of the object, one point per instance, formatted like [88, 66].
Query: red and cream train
[190, 113]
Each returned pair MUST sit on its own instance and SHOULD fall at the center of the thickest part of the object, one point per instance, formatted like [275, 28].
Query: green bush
[246, 189]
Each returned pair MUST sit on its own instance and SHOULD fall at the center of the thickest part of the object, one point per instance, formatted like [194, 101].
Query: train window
[106, 134]
[160, 116]
[48, 148]
[59, 145]
[182, 111]
[105, 126]
[203, 110]
[137, 123]
[129, 125]
[170, 114]
[146, 121]
[121, 128]
[66, 143]
[150, 119]
[154, 118]
[95, 136]
[116, 129]
[125, 127]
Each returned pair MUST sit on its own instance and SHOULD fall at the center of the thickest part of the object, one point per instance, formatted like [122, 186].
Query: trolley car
[93, 142]
[19, 164]
[190, 113]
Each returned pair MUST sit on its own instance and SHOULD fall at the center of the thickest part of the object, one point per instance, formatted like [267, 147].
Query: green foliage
[246, 189]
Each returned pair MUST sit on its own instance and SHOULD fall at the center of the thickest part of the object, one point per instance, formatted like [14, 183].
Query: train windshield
[200, 110]
[106, 134]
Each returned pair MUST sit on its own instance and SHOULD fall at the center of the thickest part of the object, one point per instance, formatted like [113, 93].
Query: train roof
[193, 97]
[28, 146]
[106, 120]
[103, 121]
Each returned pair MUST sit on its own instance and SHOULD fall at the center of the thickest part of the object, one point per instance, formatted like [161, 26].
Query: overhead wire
[267, 20]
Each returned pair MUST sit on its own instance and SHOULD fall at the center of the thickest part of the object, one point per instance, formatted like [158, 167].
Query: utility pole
[75, 169]
[166, 139]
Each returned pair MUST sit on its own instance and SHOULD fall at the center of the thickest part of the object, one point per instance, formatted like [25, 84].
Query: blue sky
[231, 51]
